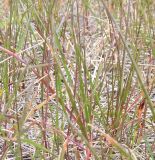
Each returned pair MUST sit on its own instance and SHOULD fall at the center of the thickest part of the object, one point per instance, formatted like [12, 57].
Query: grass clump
[77, 79]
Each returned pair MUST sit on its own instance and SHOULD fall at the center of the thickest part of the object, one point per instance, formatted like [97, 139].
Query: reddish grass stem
[15, 55]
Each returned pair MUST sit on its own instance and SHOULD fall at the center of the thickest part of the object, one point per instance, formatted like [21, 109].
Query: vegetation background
[77, 79]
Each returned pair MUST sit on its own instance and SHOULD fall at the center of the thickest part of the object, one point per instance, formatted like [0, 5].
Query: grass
[77, 79]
